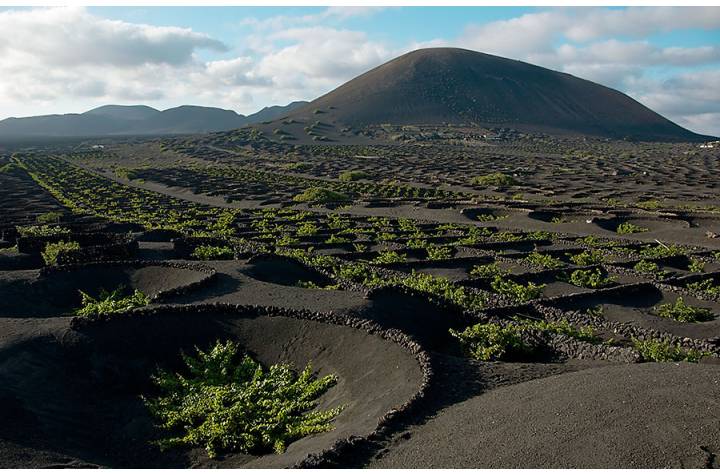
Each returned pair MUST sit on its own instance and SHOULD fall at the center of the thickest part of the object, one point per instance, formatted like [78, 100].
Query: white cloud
[71, 37]
[639, 21]
[535, 33]
[64, 59]
[322, 53]
[330, 14]
[580, 41]
[58, 56]
[685, 94]
[516, 37]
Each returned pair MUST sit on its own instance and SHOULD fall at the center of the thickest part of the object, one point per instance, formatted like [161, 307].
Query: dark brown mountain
[451, 85]
[137, 120]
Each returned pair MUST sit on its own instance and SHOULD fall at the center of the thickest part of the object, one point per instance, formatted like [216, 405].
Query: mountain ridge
[453, 85]
[112, 119]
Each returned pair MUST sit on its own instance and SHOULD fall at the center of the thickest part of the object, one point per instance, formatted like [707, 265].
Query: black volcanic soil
[31, 294]
[638, 416]
[72, 397]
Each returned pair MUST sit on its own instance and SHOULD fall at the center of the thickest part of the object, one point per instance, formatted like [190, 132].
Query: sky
[72, 59]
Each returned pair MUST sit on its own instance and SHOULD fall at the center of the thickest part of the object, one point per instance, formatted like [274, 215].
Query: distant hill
[275, 112]
[451, 85]
[138, 120]
[124, 112]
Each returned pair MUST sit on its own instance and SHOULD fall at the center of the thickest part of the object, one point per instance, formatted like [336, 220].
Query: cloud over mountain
[57, 58]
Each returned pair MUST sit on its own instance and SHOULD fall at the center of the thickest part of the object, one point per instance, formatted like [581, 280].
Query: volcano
[451, 85]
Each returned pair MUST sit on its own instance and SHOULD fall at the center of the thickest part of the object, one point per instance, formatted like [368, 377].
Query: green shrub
[487, 271]
[584, 333]
[707, 286]
[630, 228]
[360, 273]
[9, 168]
[51, 217]
[588, 258]
[649, 268]
[416, 243]
[213, 253]
[354, 175]
[307, 284]
[590, 279]
[696, 265]
[286, 240]
[436, 253]
[357, 246]
[307, 229]
[43, 230]
[109, 303]
[227, 402]
[126, 173]
[494, 179]
[648, 204]
[298, 166]
[335, 239]
[488, 217]
[682, 312]
[507, 236]
[492, 341]
[660, 250]
[54, 250]
[544, 260]
[444, 288]
[519, 292]
[389, 257]
[664, 351]
[319, 195]
[539, 235]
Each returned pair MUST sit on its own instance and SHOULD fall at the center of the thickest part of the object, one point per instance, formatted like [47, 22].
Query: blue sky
[70, 59]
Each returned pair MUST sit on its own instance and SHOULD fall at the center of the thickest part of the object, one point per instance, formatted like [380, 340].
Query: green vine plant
[696, 265]
[682, 312]
[111, 302]
[436, 253]
[590, 278]
[706, 286]
[630, 228]
[487, 271]
[389, 257]
[650, 268]
[588, 258]
[43, 230]
[545, 261]
[516, 291]
[664, 351]
[56, 250]
[493, 341]
[227, 402]
[213, 253]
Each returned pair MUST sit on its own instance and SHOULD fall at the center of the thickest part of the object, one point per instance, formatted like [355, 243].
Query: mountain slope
[124, 112]
[450, 85]
[138, 120]
[190, 119]
[65, 125]
[274, 112]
